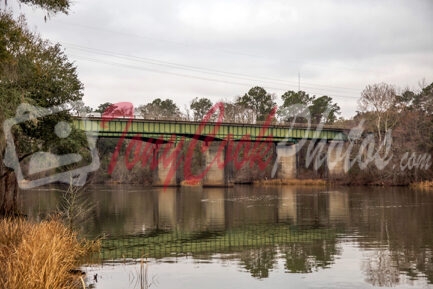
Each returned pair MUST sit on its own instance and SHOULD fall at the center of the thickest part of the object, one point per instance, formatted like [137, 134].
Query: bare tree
[234, 112]
[379, 99]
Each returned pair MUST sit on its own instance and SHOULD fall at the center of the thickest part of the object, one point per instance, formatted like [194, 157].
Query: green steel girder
[171, 130]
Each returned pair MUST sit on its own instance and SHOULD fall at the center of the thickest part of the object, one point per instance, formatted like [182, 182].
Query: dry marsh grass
[191, 183]
[40, 255]
[426, 185]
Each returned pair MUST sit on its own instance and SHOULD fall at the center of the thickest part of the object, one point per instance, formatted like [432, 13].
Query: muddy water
[255, 237]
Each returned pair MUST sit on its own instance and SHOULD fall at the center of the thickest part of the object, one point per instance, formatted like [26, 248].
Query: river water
[254, 237]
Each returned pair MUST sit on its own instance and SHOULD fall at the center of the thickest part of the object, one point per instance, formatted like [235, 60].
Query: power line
[171, 42]
[195, 46]
[158, 62]
[126, 65]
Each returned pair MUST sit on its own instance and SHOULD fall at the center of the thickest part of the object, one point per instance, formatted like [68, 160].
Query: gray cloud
[139, 50]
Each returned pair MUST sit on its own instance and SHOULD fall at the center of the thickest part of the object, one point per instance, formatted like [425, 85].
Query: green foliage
[404, 101]
[291, 97]
[294, 106]
[10, 99]
[421, 102]
[259, 101]
[424, 100]
[34, 71]
[34, 68]
[103, 107]
[160, 109]
[321, 109]
[200, 107]
[106, 146]
[37, 72]
[53, 6]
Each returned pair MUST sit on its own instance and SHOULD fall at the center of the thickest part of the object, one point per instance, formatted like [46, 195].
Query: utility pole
[299, 81]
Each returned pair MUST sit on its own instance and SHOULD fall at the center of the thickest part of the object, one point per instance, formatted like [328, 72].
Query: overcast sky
[139, 50]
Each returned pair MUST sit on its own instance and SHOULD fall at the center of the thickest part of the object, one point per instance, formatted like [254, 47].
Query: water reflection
[304, 228]
[259, 261]
[214, 208]
[166, 218]
[309, 257]
[287, 205]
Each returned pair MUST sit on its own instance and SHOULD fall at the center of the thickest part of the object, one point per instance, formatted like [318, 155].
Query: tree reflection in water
[309, 257]
[380, 268]
[259, 261]
[258, 227]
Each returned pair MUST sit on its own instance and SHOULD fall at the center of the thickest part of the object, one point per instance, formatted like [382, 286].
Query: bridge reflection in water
[302, 228]
[254, 228]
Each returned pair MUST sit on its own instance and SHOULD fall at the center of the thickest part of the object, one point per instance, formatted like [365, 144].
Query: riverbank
[292, 182]
[423, 185]
[426, 185]
[41, 255]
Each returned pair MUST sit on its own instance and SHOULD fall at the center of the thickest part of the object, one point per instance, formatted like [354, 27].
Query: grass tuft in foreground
[40, 255]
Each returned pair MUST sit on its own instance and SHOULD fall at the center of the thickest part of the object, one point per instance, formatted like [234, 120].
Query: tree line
[254, 106]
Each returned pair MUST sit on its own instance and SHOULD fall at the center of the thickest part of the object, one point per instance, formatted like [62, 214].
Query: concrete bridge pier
[166, 160]
[215, 165]
[286, 161]
[336, 159]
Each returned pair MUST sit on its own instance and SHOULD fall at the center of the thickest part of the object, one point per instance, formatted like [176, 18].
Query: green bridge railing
[166, 129]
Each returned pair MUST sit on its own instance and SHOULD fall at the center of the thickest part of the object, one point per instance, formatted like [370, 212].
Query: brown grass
[426, 185]
[191, 183]
[292, 182]
[39, 255]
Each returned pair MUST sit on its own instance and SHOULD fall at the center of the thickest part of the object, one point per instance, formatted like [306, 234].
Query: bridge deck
[169, 129]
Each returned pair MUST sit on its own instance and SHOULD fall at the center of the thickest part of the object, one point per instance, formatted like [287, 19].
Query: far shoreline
[423, 185]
